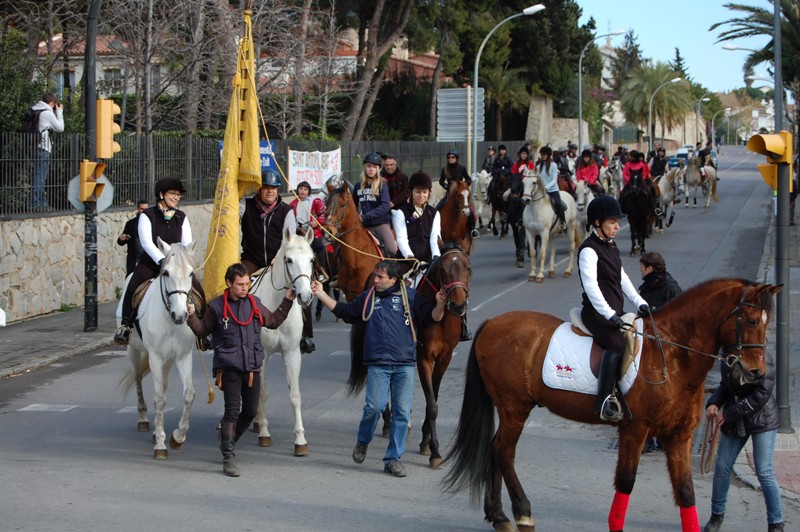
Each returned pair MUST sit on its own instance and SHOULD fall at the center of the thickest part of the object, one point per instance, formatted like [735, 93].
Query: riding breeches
[384, 231]
[241, 390]
[605, 334]
[555, 199]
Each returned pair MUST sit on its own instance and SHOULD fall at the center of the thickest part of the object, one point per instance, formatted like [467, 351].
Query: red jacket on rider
[634, 166]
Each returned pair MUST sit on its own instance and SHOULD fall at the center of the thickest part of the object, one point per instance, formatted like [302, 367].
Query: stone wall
[42, 259]
[539, 129]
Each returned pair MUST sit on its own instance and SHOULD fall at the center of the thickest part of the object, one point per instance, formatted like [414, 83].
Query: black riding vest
[419, 230]
[659, 167]
[262, 235]
[170, 231]
[609, 273]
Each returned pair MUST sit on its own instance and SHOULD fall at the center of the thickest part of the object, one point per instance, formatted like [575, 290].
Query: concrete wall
[566, 129]
[42, 259]
[540, 121]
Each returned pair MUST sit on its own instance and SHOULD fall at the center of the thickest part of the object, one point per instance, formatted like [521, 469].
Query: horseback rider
[500, 168]
[523, 161]
[658, 164]
[164, 220]
[604, 283]
[549, 172]
[453, 171]
[488, 162]
[636, 173]
[372, 199]
[588, 172]
[564, 171]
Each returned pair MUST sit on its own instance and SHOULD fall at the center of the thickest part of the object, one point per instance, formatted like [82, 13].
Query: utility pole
[90, 153]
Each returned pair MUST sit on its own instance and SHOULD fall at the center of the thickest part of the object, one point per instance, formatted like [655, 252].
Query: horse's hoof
[265, 441]
[173, 443]
[425, 450]
[540, 279]
[551, 274]
[435, 463]
[520, 264]
[503, 526]
[385, 432]
[301, 450]
[160, 454]
[531, 279]
[567, 274]
[143, 426]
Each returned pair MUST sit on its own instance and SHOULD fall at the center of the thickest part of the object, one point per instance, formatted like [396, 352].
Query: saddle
[631, 341]
[380, 245]
[138, 296]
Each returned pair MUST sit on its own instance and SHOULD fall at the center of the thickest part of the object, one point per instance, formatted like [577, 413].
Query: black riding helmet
[270, 178]
[372, 158]
[420, 180]
[453, 152]
[602, 208]
[169, 183]
[546, 150]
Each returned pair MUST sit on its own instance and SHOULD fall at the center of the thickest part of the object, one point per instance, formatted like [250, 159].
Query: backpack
[30, 121]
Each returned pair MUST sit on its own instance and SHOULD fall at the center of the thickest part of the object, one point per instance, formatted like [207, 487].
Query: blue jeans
[730, 445]
[380, 379]
[40, 168]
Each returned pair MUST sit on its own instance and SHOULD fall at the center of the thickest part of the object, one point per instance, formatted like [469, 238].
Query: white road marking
[38, 407]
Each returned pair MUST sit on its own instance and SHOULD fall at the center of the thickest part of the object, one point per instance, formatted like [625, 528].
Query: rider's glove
[644, 310]
[616, 322]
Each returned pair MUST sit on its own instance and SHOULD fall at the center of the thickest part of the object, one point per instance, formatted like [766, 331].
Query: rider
[549, 172]
[564, 172]
[588, 172]
[372, 198]
[636, 173]
[658, 164]
[523, 160]
[165, 221]
[500, 168]
[604, 283]
[488, 162]
[417, 224]
[453, 171]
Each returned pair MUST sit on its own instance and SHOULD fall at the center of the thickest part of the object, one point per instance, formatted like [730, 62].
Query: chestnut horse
[504, 371]
[455, 214]
[358, 253]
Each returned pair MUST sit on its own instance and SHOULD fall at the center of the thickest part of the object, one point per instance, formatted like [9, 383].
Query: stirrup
[475, 233]
[611, 409]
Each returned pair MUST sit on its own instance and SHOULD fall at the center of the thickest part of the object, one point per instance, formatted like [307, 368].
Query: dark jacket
[748, 408]
[453, 172]
[237, 347]
[134, 246]
[262, 234]
[398, 188]
[388, 339]
[659, 166]
[501, 166]
[658, 288]
[170, 231]
[374, 210]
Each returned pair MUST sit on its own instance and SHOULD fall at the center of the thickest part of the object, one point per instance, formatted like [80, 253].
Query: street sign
[103, 202]
[454, 114]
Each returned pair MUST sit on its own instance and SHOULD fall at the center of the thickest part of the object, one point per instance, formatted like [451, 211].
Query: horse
[293, 267]
[454, 215]
[693, 179]
[481, 196]
[504, 372]
[671, 189]
[540, 220]
[635, 202]
[585, 197]
[500, 184]
[611, 177]
[160, 340]
[358, 253]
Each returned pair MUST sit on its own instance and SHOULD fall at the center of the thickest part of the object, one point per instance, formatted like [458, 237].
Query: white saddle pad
[566, 365]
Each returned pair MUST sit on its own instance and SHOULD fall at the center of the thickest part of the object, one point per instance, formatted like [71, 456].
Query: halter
[532, 197]
[165, 295]
[449, 288]
[288, 276]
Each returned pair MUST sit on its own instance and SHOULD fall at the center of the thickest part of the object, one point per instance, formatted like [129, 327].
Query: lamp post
[532, 10]
[713, 134]
[650, 114]
[697, 114]
[580, 82]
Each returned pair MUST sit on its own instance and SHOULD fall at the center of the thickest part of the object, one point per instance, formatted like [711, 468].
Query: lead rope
[708, 454]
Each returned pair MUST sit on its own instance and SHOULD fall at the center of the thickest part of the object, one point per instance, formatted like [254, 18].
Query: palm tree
[505, 87]
[670, 104]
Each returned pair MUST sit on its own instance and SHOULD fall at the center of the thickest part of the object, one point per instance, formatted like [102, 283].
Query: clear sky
[661, 26]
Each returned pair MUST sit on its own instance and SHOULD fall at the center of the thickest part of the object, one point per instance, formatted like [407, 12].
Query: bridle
[451, 287]
[166, 295]
[332, 219]
[294, 279]
[537, 188]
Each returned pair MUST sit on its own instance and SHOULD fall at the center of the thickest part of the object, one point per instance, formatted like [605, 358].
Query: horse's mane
[711, 286]
[181, 255]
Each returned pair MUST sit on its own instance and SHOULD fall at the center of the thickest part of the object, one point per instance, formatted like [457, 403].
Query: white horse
[693, 179]
[293, 267]
[164, 340]
[481, 194]
[540, 220]
[585, 197]
[671, 189]
[611, 177]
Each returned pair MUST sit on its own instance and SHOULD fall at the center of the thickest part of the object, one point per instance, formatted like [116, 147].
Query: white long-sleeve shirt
[399, 226]
[146, 237]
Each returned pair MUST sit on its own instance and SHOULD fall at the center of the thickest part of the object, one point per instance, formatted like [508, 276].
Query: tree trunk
[436, 83]
[299, 75]
[498, 121]
[372, 96]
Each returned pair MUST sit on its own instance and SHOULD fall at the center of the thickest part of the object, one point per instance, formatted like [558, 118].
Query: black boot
[307, 344]
[775, 527]
[466, 334]
[606, 404]
[123, 333]
[241, 428]
[227, 445]
[715, 523]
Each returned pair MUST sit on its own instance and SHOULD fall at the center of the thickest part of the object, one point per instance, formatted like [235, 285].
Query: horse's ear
[163, 246]
[191, 246]
[287, 234]
[310, 235]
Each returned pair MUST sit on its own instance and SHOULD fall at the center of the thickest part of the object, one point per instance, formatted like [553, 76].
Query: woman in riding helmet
[453, 171]
[164, 220]
[637, 171]
[588, 172]
[604, 284]
[548, 169]
[417, 224]
[372, 199]
[523, 161]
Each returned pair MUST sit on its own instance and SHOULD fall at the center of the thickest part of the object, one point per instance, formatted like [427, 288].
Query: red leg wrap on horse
[689, 520]
[616, 517]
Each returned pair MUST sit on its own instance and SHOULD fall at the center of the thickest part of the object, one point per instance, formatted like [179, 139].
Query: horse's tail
[471, 452]
[128, 378]
[358, 371]
[714, 188]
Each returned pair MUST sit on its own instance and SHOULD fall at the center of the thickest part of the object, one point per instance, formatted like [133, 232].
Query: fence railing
[145, 159]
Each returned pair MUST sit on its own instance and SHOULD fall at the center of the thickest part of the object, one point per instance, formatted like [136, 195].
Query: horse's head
[176, 279]
[585, 195]
[455, 276]
[483, 183]
[458, 197]
[298, 264]
[339, 208]
[530, 187]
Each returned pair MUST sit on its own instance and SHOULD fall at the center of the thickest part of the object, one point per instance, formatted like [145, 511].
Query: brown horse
[504, 371]
[358, 253]
[455, 215]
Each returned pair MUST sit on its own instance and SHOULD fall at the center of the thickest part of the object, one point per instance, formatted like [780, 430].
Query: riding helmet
[586, 153]
[633, 155]
[169, 183]
[270, 178]
[372, 158]
[602, 208]
[501, 147]
[453, 152]
[573, 146]
[546, 150]
[523, 149]
[562, 149]
[420, 180]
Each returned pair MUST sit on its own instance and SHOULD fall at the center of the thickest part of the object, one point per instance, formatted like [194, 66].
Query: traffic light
[107, 128]
[90, 189]
[778, 149]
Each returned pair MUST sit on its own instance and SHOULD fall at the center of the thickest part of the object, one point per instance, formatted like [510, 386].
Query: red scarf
[226, 311]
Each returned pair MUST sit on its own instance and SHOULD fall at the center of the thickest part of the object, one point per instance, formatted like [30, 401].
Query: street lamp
[580, 82]
[713, 134]
[697, 114]
[532, 10]
[650, 114]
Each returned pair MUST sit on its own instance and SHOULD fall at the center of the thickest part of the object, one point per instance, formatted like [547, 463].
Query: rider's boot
[307, 342]
[471, 225]
[227, 445]
[607, 404]
[466, 334]
[562, 217]
[241, 428]
[123, 333]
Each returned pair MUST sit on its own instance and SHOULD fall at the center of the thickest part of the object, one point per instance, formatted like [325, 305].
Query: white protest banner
[314, 166]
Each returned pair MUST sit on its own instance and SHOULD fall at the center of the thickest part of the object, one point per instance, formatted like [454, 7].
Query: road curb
[31, 365]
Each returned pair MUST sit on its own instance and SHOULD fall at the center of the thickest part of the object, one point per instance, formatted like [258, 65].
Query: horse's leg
[631, 444]
[292, 361]
[574, 241]
[137, 359]
[678, 450]
[532, 254]
[551, 270]
[160, 372]
[542, 255]
[264, 437]
[425, 369]
[440, 367]
[184, 365]
[504, 450]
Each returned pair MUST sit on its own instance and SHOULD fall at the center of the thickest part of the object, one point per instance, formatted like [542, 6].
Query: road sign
[103, 202]
[454, 114]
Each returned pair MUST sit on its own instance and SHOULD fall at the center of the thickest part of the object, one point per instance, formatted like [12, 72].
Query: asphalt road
[72, 459]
